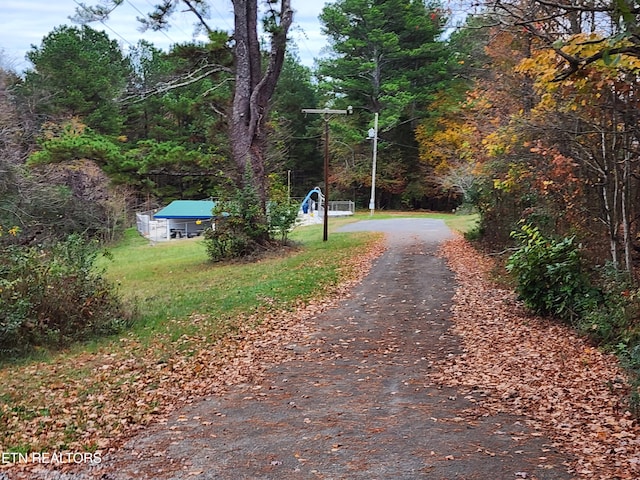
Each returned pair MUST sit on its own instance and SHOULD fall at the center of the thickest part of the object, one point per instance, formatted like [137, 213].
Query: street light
[373, 134]
[326, 113]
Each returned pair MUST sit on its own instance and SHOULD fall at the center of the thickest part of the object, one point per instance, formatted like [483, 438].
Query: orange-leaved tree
[592, 118]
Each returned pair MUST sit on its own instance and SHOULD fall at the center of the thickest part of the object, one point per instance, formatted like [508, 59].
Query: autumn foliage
[547, 138]
[531, 366]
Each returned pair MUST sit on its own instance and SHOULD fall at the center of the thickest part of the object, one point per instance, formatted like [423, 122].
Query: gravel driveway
[356, 400]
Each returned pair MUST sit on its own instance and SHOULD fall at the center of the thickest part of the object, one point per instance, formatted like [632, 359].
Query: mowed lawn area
[193, 316]
[174, 279]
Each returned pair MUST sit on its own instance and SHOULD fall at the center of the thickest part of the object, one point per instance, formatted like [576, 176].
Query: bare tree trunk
[606, 202]
[624, 203]
[626, 194]
[254, 88]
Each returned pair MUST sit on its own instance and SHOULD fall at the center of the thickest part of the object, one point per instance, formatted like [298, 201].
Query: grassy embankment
[83, 398]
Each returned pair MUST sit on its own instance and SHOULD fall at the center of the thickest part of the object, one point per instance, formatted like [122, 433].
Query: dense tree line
[544, 143]
[388, 58]
[166, 125]
[550, 125]
[152, 132]
[495, 114]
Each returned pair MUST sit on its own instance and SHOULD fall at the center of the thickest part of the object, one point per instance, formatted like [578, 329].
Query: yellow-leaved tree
[591, 117]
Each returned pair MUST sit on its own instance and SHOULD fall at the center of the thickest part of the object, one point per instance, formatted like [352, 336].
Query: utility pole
[373, 134]
[326, 114]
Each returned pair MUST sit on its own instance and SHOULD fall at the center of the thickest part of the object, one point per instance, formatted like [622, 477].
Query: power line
[222, 17]
[171, 25]
[176, 26]
[104, 24]
[144, 15]
[304, 38]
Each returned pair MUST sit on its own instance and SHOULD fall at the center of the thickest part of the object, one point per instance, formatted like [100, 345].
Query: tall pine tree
[388, 57]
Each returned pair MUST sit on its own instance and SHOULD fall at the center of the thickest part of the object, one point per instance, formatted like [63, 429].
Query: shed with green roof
[186, 218]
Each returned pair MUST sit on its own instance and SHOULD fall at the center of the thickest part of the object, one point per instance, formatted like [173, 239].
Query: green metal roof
[187, 209]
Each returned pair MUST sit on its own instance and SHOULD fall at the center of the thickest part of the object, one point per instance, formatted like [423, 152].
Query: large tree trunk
[254, 88]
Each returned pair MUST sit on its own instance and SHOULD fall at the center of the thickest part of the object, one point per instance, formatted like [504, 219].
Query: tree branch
[201, 19]
[189, 79]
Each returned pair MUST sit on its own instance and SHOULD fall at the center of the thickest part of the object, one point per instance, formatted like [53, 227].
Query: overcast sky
[25, 22]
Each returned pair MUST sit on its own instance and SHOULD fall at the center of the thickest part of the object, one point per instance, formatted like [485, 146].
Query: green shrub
[550, 276]
[613, 323]
[240, 228]
[281, 213]
[54, 296]
[551, 280]
[475, 233]
[282, 218]
[228, 239]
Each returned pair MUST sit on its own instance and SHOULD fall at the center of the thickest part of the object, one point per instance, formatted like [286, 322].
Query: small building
[186, 218]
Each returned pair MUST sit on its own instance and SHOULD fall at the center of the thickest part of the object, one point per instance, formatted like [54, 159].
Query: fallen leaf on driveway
[540, 369]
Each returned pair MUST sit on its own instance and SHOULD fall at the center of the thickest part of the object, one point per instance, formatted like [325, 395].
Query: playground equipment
[312, 211]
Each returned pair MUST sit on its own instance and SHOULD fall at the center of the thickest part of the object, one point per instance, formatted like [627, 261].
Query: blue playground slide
[305, 203]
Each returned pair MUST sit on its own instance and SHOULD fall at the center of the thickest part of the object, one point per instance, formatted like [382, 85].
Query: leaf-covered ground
[535, 367]
[514, 362]
[93, 401]
[355, 400]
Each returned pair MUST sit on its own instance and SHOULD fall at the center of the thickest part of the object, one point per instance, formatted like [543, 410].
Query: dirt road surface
[356, 400]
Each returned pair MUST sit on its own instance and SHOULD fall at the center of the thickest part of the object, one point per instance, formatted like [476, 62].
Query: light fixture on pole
[373, 134]
[326, 113]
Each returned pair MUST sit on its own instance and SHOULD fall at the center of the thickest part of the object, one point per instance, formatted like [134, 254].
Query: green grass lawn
[458, 223]
[176, 279]
[171, 281]
[462, 223]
